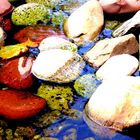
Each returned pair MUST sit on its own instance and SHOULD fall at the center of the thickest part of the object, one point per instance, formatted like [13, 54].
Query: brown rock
[16, 104]
[85, 23]
[116, 103]
[104, 49]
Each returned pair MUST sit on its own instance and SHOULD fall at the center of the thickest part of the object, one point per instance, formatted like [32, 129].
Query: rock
[29, 14]
[16, 73]
[17, 104]
[85, 85]
[118, 66]
[85, 23]
[57, 65]
[116, 103]
[2, 37]
[58, 97]
[128, 26]
[56, 43]
[104, 49]
[37, 33]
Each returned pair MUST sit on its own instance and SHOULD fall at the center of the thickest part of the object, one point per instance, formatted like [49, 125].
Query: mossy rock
[86, 85]
[57, 97]
[29, 14]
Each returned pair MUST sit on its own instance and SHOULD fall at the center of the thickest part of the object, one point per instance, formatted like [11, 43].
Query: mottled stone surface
[116, 103]
[104, 49]
[85, 23]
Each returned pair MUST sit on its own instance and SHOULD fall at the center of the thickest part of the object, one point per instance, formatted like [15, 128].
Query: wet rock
[16, 73]
[2, 37]
[128, 26]
[85, 23]
[17, 104]
[29, 14]
[116, 103]
[106, 48]
[57, 65]
[37, 33]
[56, 43]
[118, 66]
[86, 85]
[57, 97]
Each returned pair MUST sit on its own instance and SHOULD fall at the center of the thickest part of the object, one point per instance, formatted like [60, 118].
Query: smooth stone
[118, 66]
[16, 73]
[57, 65]
[85, 23]
[56, 43]
[130, 25]
[17, 104]
[104, 49]
[116, 103]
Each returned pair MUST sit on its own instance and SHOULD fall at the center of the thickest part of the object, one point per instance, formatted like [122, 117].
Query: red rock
[16, 104]
[16, 73]
[38, 33]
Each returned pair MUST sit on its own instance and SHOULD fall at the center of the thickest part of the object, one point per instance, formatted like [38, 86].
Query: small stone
[85, 23]
[116, 103]
[129, 25]
[118, 66]
[106, 48]
[2, 37]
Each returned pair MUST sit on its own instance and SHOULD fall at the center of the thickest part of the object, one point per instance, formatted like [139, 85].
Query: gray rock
[130, 24]
[116, 103]
[104, 49]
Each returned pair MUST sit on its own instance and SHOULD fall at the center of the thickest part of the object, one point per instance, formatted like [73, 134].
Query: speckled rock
[2, 37]
[85, 23]
[104, 49]
[86, 85]
[118, 66]
[57, 65]
[29, 14]
[56, 43]
[116, 103]
[57, 97]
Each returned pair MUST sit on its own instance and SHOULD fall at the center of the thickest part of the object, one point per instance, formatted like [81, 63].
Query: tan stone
[116, 103]
[104, 49]
[117, 66]
[85, 23]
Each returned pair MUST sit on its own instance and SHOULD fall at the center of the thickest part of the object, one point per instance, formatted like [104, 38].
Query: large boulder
[117, 66]
[85, 23]
[116, 103]
[104, 49]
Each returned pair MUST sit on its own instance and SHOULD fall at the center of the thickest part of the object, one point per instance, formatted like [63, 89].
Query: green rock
[57, 97]
[47, 3]
[29, 14]
[85, 85]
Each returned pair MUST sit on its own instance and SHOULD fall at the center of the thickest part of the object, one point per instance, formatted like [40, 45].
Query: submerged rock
[118, 66]
[57, 65]
[86, 85]
[116, 103]
[128, 26]
[85, 23]
[57, 97]
[19, 104]
[29, 14]
[56, 43]
[106, 48]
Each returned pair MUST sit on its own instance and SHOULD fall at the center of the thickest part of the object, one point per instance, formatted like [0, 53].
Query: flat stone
[116, 103]
[128, 26]
[85, 23]
[118, 66]
[106, 48]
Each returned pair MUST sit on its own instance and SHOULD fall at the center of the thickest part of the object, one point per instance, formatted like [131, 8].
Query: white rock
[118, 66]
[56, 43]
[116, 103]
[57, 65]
